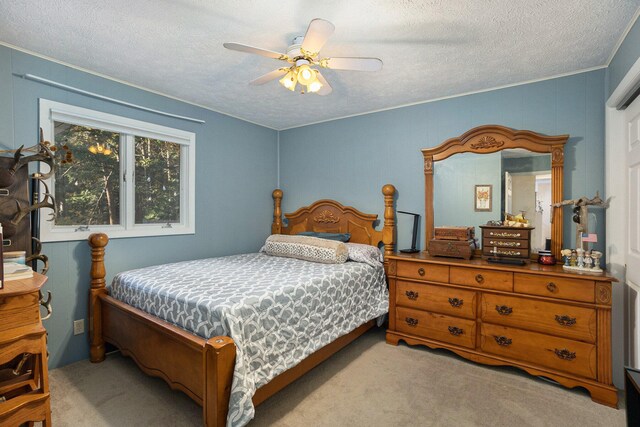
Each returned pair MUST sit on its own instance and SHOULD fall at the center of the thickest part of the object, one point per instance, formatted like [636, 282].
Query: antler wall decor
[17, 208]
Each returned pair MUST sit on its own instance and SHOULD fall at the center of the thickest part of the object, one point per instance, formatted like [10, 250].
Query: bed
[201, 367]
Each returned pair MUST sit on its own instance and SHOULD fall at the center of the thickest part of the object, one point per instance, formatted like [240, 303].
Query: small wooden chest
[452, 248]
[508, 242]
[462, 233]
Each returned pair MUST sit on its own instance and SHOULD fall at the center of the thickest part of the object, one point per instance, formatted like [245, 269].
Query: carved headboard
[330, 216]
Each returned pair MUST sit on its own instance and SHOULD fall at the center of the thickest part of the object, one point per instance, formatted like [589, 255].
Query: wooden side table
[24, 380]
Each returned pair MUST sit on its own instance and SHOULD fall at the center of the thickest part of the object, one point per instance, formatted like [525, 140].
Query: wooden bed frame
[203, 368]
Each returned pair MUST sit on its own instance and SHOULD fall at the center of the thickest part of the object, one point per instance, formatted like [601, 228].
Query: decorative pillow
[340, 237]
[306, 248]
[365, 253]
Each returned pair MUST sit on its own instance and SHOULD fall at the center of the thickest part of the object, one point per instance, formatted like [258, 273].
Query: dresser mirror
[522, 171]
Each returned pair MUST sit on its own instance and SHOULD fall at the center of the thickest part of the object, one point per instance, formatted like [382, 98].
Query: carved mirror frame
[489, 139]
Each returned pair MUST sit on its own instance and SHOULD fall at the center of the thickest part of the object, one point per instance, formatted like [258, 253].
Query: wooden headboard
[330, 216]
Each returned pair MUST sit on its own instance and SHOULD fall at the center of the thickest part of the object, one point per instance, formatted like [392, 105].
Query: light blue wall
[351, 159]
[625, 57]
[235, 175]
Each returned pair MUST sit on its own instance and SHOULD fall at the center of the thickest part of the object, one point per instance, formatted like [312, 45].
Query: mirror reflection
[519, 182]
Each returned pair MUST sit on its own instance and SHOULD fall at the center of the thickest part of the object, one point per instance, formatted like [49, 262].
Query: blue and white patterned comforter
[277, 310]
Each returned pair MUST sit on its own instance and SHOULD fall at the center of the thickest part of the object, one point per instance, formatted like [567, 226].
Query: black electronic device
[416, 221]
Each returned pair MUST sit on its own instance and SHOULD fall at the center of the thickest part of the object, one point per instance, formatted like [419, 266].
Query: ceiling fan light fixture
[306, 74]
[314, 86]
[289, 81]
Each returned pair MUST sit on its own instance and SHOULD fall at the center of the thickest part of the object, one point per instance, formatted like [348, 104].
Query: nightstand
[24, 381]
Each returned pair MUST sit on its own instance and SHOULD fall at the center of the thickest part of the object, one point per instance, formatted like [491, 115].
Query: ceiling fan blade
[326, 88]
[256, 50]
[356, 64]
[317, 34]
[269, 76]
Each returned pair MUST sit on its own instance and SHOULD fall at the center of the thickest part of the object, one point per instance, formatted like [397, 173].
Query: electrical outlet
[78, 327]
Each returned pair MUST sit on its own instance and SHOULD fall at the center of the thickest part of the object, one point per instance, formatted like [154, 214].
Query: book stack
[14, 266]
[15, 271]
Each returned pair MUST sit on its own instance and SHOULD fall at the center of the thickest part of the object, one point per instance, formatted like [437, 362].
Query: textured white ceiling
[430, 49]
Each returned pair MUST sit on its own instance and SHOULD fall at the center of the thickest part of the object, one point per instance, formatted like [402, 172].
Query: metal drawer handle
[455, 302]
[479, 278]
[551, 287]
[565, 320]
[455, 331]
[503, 310]
[421, 271]
[411, 321]
[565, 354]
[502, 340]
[412, 295]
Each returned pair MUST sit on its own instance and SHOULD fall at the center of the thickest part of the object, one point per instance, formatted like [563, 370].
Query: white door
[508, 193]
[632, 144]
[632, 120]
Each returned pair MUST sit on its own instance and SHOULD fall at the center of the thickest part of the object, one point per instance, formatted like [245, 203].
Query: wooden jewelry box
[462, 233]
[452, 248]
[508, 242]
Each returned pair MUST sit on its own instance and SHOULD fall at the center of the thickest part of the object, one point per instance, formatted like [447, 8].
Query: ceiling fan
[303, 56]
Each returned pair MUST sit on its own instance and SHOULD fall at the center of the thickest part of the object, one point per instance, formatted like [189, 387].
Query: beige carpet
[370, 383]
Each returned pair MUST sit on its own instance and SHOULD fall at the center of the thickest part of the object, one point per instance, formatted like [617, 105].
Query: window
[124, 177]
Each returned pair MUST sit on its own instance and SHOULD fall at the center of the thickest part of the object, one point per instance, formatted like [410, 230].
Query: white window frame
[51, 111]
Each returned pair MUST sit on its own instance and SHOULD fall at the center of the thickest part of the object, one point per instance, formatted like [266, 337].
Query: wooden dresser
[24, 387]
[538, 318]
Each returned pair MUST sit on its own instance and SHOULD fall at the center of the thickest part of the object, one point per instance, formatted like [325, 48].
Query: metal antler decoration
[42, 152]
[580, 212]
[38, 255]
[46, 304]
[47, 202]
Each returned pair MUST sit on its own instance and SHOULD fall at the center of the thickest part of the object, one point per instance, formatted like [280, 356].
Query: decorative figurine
[566, 253]
[580, 252]
[596, 259]
[588, 261]
[574, 258]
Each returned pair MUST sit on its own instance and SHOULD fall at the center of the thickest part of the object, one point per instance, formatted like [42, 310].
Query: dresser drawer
[423, 271]
[435, 326]
[487, 279]
[553, 352]
[441, 299]
[504, 243]
[19, 301]
[19, 317]
[506, 233]
[558, 319]
[555, 287]
[505, 252]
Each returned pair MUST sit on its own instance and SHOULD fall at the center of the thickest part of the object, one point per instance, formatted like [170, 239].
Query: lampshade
[306, 75]
[289, 80]
[314, 86]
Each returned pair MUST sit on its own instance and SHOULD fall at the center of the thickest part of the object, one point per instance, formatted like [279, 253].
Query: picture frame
[482, 198]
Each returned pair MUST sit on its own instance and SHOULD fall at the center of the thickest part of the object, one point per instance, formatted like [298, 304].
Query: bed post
[276, 226]
[219, 358]
[97, 241]
[389, 229]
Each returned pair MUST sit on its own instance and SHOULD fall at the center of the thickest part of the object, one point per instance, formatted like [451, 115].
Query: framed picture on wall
[483, 198]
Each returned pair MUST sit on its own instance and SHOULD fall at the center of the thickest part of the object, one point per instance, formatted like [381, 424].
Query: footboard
[202, 369]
